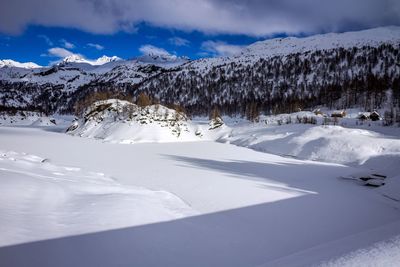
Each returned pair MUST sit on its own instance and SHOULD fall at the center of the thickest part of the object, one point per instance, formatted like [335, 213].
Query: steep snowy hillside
[282, 75]
[292, 45]
[347, 70]
[57, 88]
[279, 75]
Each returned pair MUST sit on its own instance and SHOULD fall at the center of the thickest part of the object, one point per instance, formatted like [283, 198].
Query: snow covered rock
[375, 182]
[124, 122]
[216, 122]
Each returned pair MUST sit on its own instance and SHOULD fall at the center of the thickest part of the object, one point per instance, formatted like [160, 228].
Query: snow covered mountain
[292, 45]
[16, 64]
[100, 61]
[337, 70]
[105, 59]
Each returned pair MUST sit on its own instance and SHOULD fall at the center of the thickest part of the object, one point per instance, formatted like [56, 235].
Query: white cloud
[46, 39]
[218, 48]
[67, 44]
[59, 52]
[153, 50]
[96, 46]
[251, 17]
[178, 41]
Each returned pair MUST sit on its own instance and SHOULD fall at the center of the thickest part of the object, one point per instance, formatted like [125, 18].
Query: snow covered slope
[22, 88]
[281, 75]
[75, 71]
[373, 146]
[292, 45]
[323, 143]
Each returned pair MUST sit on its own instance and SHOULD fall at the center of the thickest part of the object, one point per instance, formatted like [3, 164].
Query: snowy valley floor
[71, 201]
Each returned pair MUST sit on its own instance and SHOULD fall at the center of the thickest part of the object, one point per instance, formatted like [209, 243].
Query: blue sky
[33, 44]
[43, 31]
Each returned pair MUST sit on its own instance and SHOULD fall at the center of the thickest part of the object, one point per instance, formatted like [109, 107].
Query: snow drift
[327, 143]
[70, 198]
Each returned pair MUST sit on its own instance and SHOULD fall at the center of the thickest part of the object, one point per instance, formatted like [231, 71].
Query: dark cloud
[251, 17]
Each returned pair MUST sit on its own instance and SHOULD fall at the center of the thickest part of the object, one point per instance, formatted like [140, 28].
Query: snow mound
[120, 121]
[323, 143]
[63, 201]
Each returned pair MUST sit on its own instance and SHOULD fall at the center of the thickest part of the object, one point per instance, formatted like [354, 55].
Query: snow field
[226, 206]
[42, 200]
[197, 203]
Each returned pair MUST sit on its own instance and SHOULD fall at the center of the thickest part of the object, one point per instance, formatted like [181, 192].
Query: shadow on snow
[247, 236]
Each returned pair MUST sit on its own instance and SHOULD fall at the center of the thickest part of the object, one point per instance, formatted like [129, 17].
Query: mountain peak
[106, 59]
[100, 61]
[13, 63]
[74, 59]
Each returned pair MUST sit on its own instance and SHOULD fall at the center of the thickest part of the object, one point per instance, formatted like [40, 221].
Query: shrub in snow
[306, 119]
[143, 100]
